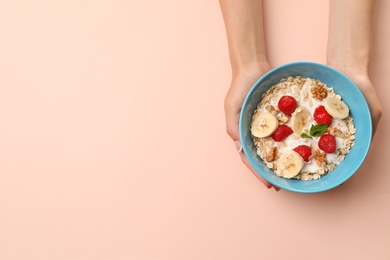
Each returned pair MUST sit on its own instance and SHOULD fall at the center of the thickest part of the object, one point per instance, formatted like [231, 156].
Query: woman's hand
[363, 82]
[348, 50]
[245, 34]
[242, 82]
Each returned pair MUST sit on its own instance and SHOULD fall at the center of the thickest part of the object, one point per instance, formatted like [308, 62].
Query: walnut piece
[319, 92]
[320, 157]
[335, 131]
[282, 118]
[271, 109]
[271, 156]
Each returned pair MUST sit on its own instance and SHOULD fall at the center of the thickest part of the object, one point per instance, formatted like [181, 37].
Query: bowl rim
[254, 87]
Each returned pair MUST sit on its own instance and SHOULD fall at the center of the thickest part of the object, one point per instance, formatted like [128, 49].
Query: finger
[276, 188]
[247, 163]
[232, 114]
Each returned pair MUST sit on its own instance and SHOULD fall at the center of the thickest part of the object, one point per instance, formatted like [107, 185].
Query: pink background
[113, 143]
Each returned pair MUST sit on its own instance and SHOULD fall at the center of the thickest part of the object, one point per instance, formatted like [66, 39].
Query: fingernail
[238, 145]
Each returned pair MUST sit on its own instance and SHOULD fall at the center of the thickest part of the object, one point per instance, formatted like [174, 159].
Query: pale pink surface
[113, 143]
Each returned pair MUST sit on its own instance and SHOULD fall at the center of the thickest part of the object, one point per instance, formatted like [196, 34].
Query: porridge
[302, 129]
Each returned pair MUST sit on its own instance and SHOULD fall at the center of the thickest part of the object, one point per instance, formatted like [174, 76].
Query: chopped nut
[335, 131]
[319, 92]
[271, 109]
[320, 157]
[271, 156]
[282, 118]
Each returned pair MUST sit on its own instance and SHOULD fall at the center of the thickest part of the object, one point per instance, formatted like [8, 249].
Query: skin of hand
[239, 88]
[350, 25]
[244, 29]
[348, 51]
[363, 82]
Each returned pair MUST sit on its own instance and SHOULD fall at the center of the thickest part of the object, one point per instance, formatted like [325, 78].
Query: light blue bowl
[351, 95]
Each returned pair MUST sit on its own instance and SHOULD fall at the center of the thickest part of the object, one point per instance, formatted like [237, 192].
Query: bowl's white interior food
[280, 156]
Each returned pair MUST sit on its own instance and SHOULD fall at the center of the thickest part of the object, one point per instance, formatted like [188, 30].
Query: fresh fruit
[321, 116]
[304, 151]
[327, 143]
[287, 105]
[299, 120]
[264, 124]
[289, 164]
[281, 133]
[336, 107]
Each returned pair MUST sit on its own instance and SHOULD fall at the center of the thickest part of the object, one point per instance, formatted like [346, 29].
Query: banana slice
[336, 108]
[289, 164]
[299, 119]
[264, 124]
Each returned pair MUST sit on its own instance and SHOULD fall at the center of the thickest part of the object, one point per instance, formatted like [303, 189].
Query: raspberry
[327, 143]
[287, 105]
[304, 151]
[282, 132]
[321, 116]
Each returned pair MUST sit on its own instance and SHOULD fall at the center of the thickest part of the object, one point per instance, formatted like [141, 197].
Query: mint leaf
[318, 130]
[303, 135]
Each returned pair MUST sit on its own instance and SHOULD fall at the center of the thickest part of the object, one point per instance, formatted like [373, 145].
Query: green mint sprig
[315, 131]
[304, 135]
[318, 130]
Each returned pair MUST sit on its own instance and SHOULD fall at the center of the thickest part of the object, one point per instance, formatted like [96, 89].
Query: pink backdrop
[113, 143]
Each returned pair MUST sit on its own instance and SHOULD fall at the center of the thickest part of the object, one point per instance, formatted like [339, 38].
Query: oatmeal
[302, 129]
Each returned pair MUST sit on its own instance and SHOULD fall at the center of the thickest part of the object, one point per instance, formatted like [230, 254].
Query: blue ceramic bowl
[352, 97]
